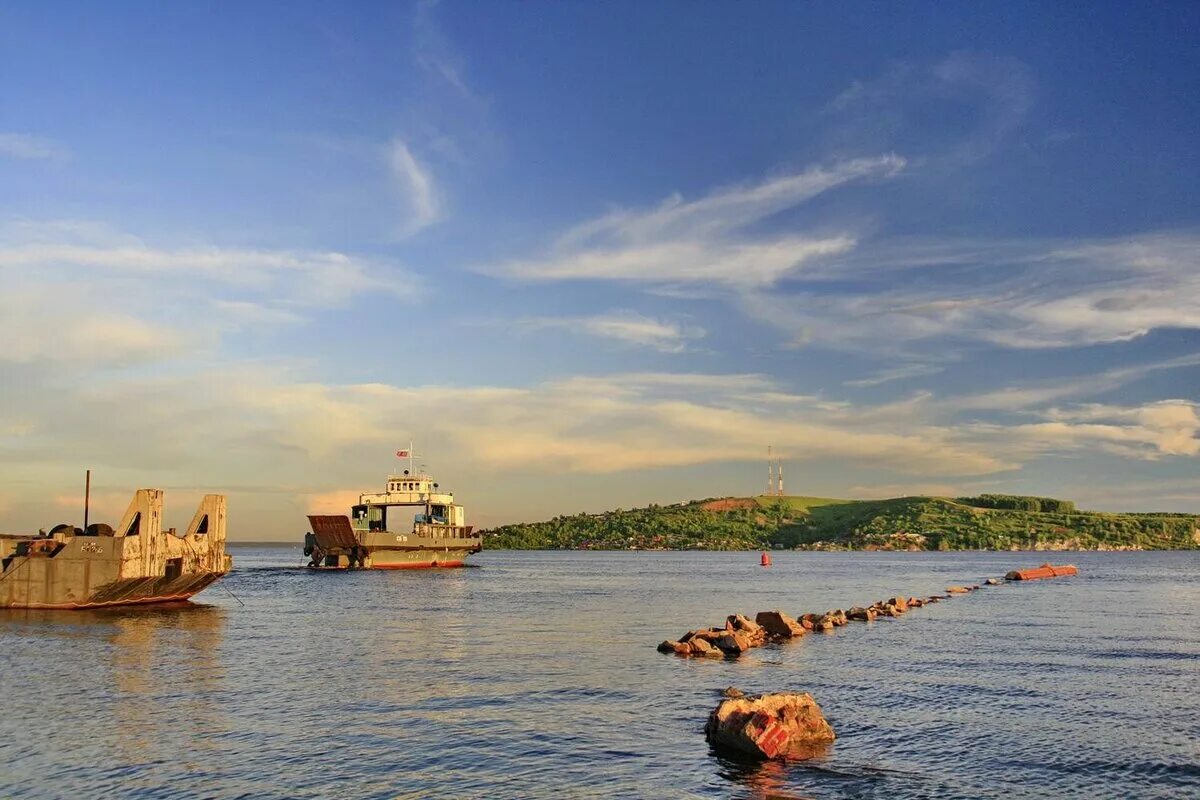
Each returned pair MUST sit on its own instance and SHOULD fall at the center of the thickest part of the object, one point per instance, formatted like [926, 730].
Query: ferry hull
[334, 545]
[421, 565]
[394, 558]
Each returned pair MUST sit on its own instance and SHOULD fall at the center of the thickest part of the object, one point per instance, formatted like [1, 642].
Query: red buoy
[766, 559]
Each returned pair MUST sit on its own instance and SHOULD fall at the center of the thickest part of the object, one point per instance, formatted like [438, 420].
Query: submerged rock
[768, 726]
[732, 691]
[678, 648]
[956, 590]
[991, 582]
[900, 603]
[862, 614]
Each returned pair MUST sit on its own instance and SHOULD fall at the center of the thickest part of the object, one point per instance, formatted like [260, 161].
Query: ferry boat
[378, 535]
[98, 565]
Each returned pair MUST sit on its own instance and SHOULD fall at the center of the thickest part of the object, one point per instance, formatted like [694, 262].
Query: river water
[534, 675]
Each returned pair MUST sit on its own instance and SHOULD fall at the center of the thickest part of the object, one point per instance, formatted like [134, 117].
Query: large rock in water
[776, 725]
[733, 643]
[779, 624]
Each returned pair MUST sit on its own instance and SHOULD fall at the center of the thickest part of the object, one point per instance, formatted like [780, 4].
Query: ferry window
[203, 526]
[135, 527]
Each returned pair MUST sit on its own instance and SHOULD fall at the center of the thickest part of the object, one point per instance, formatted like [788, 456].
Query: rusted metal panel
[1044, 571]
[332, 531]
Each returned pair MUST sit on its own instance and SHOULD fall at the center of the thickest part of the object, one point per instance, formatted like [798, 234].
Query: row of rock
[781, 725]
[740, 633]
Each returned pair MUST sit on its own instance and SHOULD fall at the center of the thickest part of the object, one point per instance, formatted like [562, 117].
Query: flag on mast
[409, 454]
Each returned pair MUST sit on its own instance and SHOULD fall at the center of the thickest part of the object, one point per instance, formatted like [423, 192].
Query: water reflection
[142, 678]
[764, 780]
[166, 669]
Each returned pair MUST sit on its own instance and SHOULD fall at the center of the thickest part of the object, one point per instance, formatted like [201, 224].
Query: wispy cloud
[981, 98]
[443, 126]
[1149, 431]
[433, 51]
[1019, 294]
[28, 147]
[415, 183]
[896, 374]
[41, 252]
[704, 240]
[81, 293]
[625, 327]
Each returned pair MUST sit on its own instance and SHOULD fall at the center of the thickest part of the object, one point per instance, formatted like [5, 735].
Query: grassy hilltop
[987, 522]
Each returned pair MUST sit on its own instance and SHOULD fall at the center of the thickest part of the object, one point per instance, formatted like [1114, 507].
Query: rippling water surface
[535, 675]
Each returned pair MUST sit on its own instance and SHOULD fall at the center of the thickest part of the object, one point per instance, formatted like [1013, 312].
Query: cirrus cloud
[704, 240]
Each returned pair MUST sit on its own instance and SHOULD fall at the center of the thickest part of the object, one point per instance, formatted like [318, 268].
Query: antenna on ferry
[87, 498]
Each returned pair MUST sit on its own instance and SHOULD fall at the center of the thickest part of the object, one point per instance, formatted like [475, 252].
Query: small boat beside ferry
[381, 534]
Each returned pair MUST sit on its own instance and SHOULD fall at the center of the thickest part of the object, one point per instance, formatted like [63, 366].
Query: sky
[596, 255]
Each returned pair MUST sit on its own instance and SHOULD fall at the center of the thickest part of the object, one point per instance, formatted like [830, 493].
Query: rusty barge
[376, 536]
[98, 565]
[1042, 572]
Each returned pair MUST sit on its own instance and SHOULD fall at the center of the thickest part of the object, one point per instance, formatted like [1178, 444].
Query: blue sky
[597, 255]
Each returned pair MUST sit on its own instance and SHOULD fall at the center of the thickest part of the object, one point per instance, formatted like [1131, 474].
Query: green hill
[990, 522]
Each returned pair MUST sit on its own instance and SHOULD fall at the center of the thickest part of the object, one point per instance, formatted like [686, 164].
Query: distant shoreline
[989, 522]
